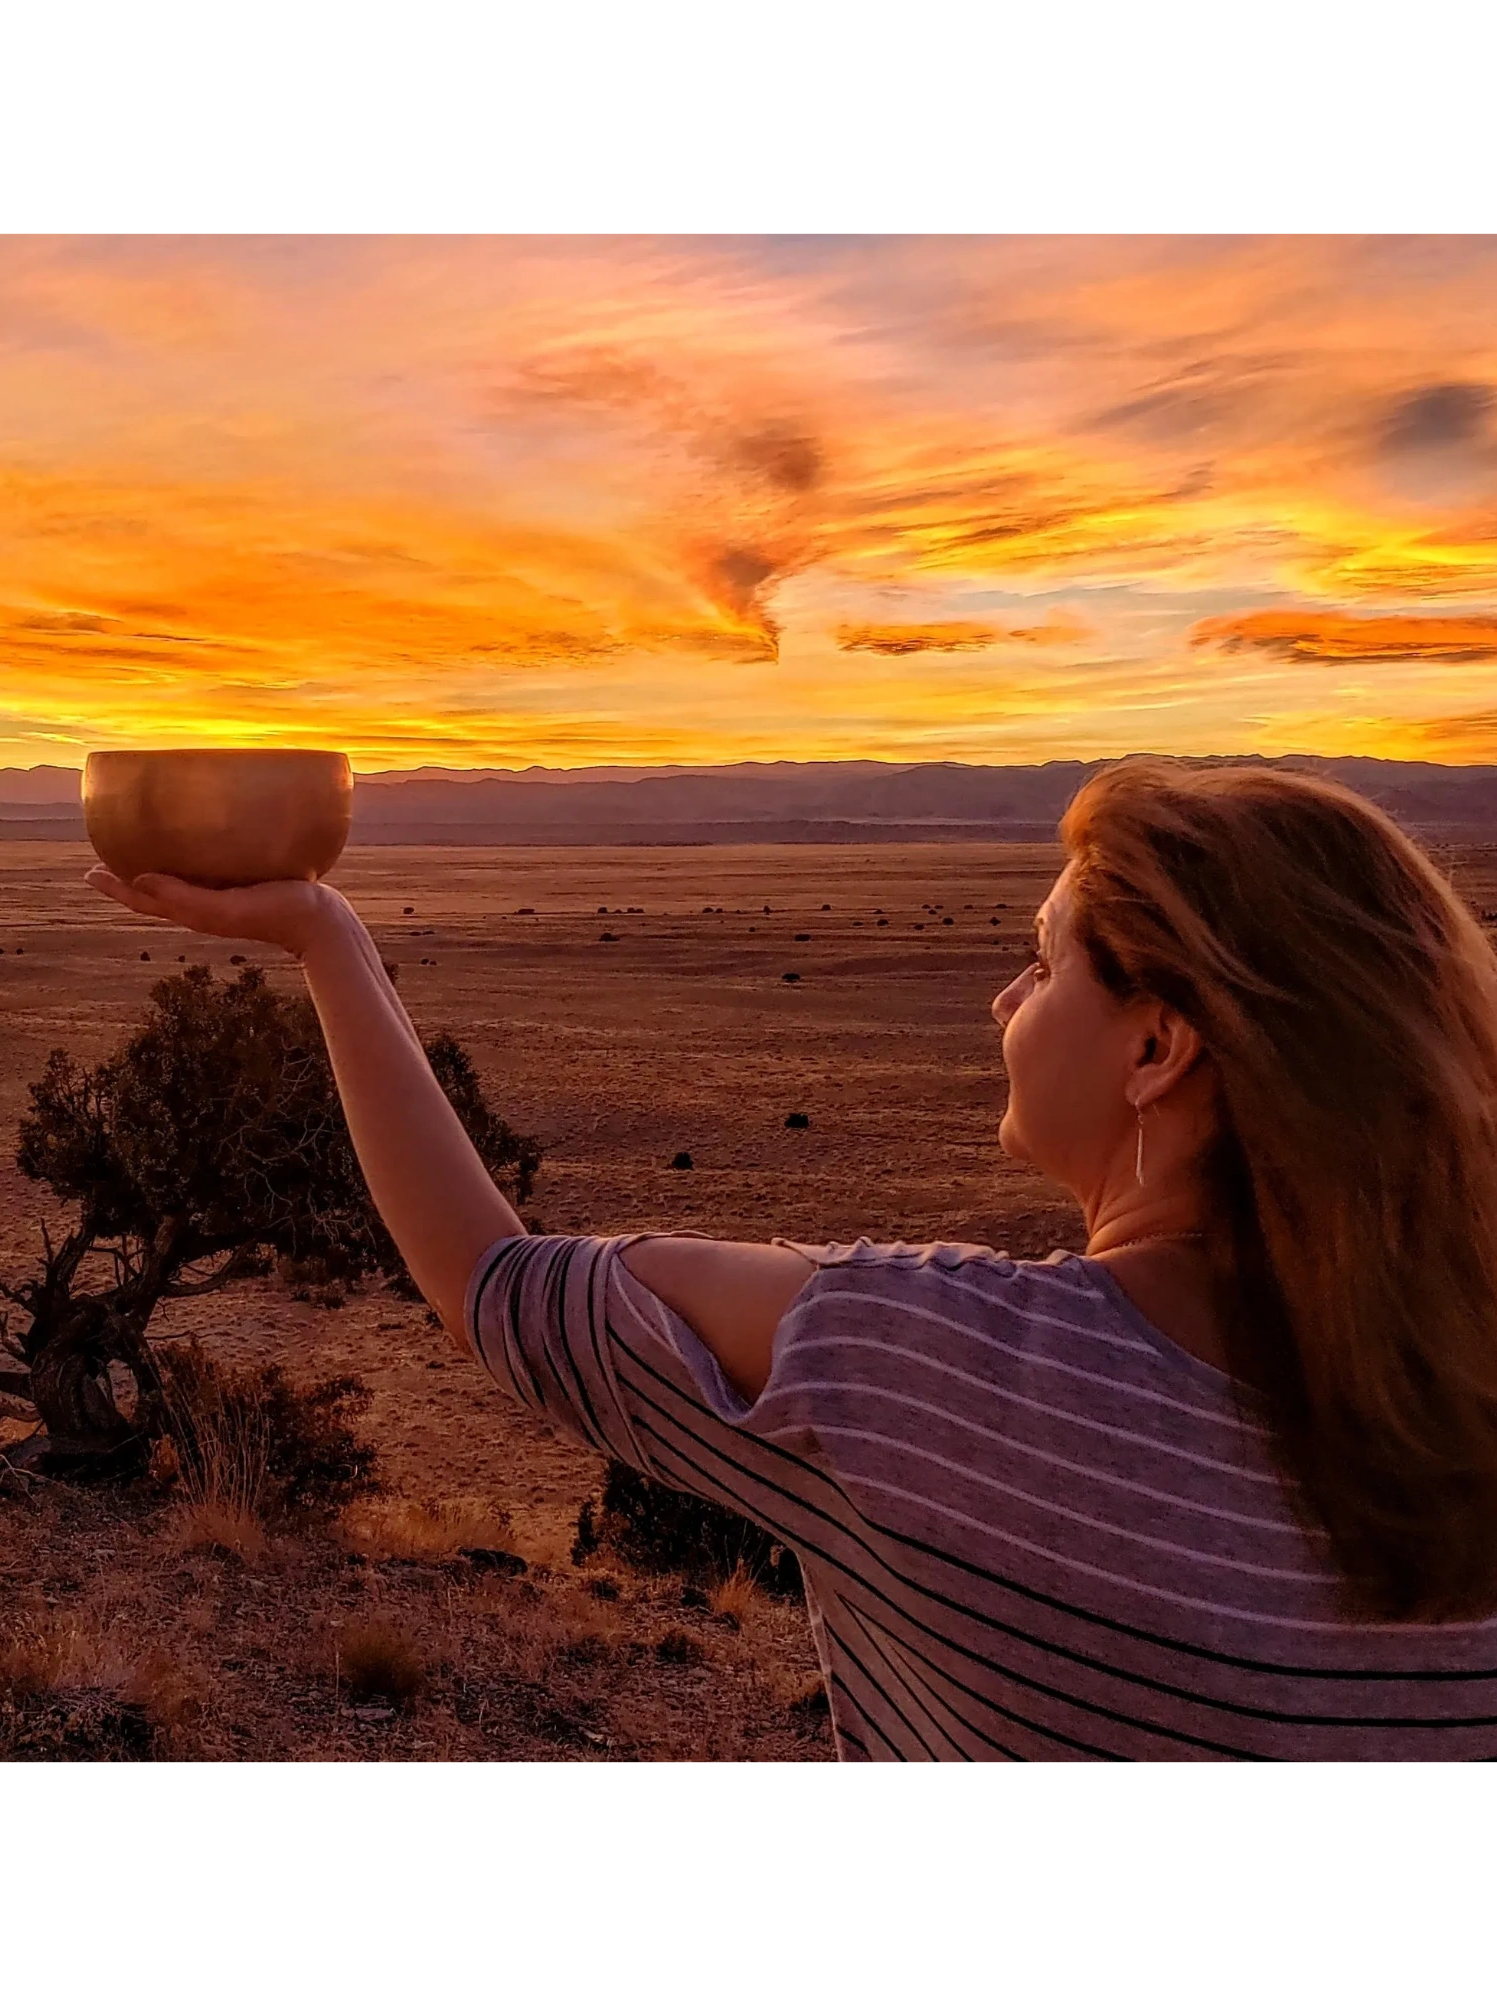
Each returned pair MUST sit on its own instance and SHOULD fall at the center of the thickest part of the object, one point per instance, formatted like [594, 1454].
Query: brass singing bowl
[218, 817]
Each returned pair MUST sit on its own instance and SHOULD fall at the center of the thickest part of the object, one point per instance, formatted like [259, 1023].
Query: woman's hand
[289, 913]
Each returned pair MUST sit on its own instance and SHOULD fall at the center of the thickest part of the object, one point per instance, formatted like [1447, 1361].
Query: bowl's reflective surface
[220, 817]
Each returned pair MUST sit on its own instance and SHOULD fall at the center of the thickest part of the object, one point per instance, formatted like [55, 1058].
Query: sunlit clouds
[473, 501]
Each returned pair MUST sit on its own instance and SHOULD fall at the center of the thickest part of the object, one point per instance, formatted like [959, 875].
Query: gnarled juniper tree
[213, 1138]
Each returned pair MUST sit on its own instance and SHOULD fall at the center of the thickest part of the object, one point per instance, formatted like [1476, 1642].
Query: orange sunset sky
[571, 500]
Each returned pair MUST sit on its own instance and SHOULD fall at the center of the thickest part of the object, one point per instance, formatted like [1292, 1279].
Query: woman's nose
[1010, 998]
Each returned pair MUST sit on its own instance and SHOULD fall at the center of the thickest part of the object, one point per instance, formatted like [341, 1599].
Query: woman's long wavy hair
[1347, 997]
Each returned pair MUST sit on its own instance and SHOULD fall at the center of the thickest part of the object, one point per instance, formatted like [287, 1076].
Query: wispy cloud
[1331, 637]
[900, 640]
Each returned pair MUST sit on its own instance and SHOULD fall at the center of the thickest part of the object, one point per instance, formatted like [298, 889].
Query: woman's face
[1070, 1050]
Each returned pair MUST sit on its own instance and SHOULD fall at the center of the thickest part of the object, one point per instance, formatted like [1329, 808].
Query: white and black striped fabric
[1031, 1526]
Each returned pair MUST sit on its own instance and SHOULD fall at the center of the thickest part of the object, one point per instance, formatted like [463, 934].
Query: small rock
[603, 911]
[947, 920]
[145, 956]
[608, 937]
[791, 977]
[883, 922]
[236, 958]
[492, 1560]
[369, 1715]
[801, 936]
[681, 1161]
[796, 1121]
[524, 911]
[826, 907]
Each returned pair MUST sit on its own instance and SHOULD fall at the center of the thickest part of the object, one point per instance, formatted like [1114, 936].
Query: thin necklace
[1195, 1234]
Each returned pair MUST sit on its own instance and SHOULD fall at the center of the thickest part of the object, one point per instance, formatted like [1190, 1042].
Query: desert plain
[680, 1033]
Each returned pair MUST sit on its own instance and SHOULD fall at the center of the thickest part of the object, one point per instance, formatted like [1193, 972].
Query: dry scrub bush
[374, 1660]
[424, 1529]
[248, 1446]
[69, 1691]
[659, 1530]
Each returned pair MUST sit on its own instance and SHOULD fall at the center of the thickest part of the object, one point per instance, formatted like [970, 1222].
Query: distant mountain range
[751, 802]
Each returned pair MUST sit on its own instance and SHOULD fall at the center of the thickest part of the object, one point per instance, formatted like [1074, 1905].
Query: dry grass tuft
[434, 1528]
[221, 1469]
[679, 1646]
[373, 1660]
[66, 1653]
[214, 1524]
[33, 1659]
[736, 1598]
[170, 1698]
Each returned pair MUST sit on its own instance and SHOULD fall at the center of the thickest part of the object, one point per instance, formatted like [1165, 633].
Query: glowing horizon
[513, 501]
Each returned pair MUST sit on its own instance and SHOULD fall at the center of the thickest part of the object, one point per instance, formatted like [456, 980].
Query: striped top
[1031, 1526]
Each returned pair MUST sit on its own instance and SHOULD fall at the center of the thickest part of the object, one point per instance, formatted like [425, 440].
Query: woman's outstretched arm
[427, 1181]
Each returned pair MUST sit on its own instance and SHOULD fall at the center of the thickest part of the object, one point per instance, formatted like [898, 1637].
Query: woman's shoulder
[960, 1279]
[1058, 1326]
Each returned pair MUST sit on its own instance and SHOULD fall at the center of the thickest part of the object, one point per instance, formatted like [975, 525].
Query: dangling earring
[1138, 1162]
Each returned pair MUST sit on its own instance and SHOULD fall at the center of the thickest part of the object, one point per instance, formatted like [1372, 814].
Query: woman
[1225, 1486]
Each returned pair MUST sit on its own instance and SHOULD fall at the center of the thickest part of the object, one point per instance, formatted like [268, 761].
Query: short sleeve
[564, 1326]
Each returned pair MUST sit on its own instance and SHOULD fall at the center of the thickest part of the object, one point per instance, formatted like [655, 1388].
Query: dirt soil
[681, 1034]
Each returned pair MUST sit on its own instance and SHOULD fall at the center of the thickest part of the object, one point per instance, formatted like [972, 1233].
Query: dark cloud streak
[1444, 415]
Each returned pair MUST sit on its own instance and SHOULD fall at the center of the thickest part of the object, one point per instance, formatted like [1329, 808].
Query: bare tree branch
[236, 1265]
